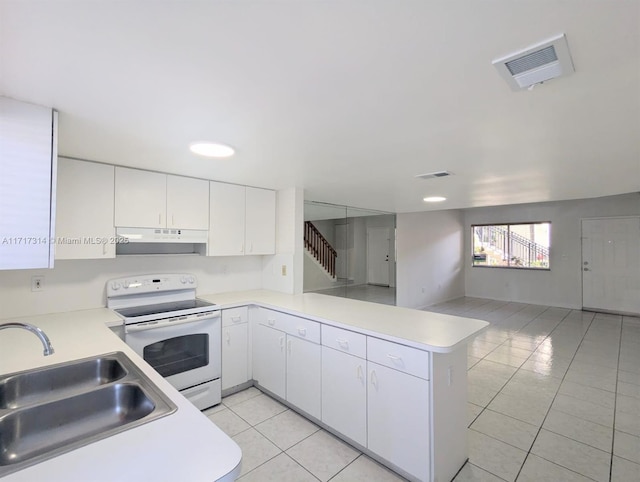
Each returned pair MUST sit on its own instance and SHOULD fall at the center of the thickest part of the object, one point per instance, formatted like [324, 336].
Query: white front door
[378, 247]
[611, 264]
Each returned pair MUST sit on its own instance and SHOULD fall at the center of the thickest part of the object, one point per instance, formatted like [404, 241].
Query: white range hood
[161, 241]
[161, 235]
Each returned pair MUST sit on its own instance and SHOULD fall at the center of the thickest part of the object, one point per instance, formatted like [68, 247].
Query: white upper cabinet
[187, 203]
[145, 199]
[140, 198]
[260, 221]
[226, 219]
[242, 220]
[84, 214]
[28, 159]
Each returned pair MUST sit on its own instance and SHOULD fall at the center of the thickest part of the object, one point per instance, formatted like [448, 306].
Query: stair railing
[519, 248]
[320, 248]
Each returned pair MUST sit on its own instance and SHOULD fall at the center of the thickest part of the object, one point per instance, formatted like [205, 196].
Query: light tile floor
[281, 446]
[554, 395]
[375, 294]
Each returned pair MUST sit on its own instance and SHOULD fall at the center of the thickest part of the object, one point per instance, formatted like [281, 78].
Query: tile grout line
[517, 368]
[615, 400]
[554, 398]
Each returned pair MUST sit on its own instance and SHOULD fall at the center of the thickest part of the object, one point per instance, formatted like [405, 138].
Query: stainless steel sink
[30, 387]
[46, 412]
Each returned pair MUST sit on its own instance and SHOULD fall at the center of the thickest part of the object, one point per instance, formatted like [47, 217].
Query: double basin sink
[48, 411]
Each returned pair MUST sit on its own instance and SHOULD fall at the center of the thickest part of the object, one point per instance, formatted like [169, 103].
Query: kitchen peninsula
[390, 380]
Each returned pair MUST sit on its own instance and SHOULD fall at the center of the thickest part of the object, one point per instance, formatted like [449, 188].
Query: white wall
[430, 252]
[562, 285]
[289, 244]
[80, 284]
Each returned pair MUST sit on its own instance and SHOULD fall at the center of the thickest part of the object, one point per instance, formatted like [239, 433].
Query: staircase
[320, 248]
[506, 248]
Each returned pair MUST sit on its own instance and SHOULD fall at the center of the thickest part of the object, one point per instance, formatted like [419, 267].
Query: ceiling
[349, 100]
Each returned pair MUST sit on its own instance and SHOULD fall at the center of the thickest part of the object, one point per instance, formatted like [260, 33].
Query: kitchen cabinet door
[260, 231]
[235, 355]
[140, 198]
[269, 359]
[28, 156]
[226, 219]
[398, 419]
[344, 394]
[304, 375]
[84, 212]
[187, 203]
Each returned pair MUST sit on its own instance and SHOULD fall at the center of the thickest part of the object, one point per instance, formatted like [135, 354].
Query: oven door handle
[164, 324]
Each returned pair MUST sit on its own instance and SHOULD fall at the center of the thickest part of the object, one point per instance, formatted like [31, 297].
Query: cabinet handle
[395, 359]
[282, 343]
[173, 223]
[228, 338]
[360, 373]
[374, 379]
[241, 248]
[104, 249]
[289, 346]
[271, 321]
[236, 319]
[302, 331]
[343, 343]
[160, 219]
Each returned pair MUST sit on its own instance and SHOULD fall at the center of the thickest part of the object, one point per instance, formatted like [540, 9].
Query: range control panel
[152, 283]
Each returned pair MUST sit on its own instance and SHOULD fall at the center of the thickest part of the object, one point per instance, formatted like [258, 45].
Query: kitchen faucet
[46, 343]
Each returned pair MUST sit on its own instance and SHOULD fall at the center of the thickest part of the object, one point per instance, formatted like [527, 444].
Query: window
[522, 245]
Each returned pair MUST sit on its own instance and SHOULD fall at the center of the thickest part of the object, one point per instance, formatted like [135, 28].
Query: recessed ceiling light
[434, 199]
[211, 149]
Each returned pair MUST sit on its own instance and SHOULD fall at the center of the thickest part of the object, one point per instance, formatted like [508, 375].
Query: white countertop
[435, 332]
[184, 445]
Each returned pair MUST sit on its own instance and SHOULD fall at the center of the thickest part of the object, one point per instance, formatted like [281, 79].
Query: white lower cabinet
[235, 347]
[344, 394]
[269, 359]
[373, 392]
[398, 419]
[303, 375]
[289, 366]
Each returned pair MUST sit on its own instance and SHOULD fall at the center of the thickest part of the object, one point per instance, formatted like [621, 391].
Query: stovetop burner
[163, 308]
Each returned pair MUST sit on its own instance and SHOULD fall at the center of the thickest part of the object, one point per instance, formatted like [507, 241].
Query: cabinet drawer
[235, 316]
[301, 328]
[344, 340]
[292, 325]
[399, 357]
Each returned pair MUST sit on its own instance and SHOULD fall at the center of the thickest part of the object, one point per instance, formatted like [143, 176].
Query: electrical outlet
[37, 283]
[284, 270]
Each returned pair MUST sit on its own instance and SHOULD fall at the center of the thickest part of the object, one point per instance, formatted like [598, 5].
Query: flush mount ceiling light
[536, 64]
[434, 199]
[211, 149]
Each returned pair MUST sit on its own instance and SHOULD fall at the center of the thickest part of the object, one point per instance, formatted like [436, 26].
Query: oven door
[186, 353]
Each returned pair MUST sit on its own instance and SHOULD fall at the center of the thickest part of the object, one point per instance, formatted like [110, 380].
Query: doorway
[378, 252]
[611, 264]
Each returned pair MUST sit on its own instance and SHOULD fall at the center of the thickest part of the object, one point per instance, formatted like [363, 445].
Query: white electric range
[176, 333]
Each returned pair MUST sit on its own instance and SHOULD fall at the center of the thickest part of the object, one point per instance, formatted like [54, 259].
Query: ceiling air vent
[431, 175]
[536, 64]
